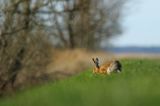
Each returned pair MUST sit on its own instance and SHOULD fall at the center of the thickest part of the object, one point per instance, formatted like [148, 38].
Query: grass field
[137, 85]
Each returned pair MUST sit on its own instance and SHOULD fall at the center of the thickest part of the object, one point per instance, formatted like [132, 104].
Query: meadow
[137, 85]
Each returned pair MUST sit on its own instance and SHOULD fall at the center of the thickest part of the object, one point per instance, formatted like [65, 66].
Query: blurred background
[142, 25]
[141, 33]
[39, 37]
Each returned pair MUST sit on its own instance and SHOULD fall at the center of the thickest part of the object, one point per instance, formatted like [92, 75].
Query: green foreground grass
[137, 85]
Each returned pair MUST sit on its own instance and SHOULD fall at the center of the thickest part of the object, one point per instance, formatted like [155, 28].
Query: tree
[22, 41]
[85, 23]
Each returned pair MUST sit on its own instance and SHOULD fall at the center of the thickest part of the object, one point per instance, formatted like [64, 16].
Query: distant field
[137, 85]
[132, 49]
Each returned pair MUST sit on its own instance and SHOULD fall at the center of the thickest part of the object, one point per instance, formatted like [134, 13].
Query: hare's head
[96, 62]
[116, 66]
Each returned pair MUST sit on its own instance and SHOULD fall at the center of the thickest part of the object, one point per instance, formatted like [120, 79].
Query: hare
[107, 68]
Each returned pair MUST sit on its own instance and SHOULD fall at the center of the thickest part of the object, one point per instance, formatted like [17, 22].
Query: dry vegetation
[68, 62]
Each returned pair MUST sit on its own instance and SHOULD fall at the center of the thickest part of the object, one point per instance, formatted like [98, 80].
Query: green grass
[137, 85]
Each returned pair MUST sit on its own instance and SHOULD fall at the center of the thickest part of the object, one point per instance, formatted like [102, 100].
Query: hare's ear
[97, 60]
[94, 60]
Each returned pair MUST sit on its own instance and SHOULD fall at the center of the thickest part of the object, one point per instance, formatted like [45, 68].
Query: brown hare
[107, 68]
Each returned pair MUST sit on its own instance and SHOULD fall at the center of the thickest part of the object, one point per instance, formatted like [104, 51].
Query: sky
[141, 25]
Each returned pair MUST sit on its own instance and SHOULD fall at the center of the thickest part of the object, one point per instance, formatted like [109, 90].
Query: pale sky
[142, 25]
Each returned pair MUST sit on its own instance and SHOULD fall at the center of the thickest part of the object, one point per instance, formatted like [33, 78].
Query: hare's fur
[106, 68]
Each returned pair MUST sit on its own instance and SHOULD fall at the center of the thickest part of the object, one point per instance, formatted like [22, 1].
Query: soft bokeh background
[44, 41]
[142, 24]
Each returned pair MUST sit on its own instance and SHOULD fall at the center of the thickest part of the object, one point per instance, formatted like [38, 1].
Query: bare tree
[22, 41]
[85, 23]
